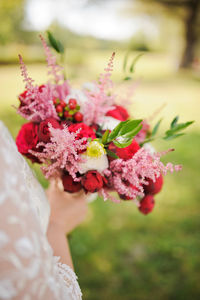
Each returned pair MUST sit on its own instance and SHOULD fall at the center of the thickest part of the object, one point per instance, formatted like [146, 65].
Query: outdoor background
[119, 253]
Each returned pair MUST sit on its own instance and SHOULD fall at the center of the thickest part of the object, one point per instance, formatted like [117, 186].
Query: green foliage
[55, 44]
[131, 69]
[172, 133]
[122, 135]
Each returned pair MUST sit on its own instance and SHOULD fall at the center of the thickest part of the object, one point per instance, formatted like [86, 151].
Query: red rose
[43, 131]
[92, 181]
[85, 131]
[119, 113]
[154, 187]
[27, 139]
[147, 204]
[70, 185]
[124, 153]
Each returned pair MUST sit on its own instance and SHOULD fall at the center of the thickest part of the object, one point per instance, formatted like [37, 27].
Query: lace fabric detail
[28, 269]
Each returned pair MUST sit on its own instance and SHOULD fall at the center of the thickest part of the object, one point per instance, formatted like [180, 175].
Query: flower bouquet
[86, 139]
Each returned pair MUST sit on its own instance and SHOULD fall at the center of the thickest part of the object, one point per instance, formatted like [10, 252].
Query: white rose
[93, 163]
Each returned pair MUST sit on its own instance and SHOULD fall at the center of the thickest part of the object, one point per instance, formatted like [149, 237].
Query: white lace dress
[28, 269]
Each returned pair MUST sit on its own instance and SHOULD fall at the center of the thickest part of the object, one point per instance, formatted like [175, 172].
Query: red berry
[62, 103]
[78, 117]
[41, 87]
[154, 187]
[72, 103]
[66, 114]
[59, 108]
[147, 204]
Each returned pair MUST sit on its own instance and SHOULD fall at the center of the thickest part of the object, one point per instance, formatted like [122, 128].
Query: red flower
[124, 153]
[154, 187]
[27, 139]
[119, 113]
[43, 131]
[70, 185]
[85, 131]
[92, 181]
[147, 204]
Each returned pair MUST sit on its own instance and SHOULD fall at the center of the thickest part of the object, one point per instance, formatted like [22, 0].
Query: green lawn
[118, 253]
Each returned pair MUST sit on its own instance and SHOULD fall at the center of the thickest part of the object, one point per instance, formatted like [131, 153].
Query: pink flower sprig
[28, 80]
[62, 153]
[135, 172]
[38, 104]
[54, 69]
[101, 100]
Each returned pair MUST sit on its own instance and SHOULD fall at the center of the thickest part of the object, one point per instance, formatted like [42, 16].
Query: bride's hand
[67, 210]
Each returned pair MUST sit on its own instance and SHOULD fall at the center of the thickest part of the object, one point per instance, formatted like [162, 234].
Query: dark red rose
[147, 204]
[27, 139]
[154, 187]
[70, 185]
[124, 153]
[119, 113]
[92, 181]
[85, 131]
[43, 131]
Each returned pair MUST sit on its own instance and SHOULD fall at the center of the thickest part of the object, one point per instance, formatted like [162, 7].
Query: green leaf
[155, 129]
[115, 132]
[132, 67]
[55, 43]
[174, 121]
[178, 127]
[125, 61]
[122, 144]
[111, 154]
[127, 78]
[171, 137]
[105, 137]
[129, 126]
[132, 133]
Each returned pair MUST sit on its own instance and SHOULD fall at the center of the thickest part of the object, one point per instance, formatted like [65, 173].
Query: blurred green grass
[119, 253]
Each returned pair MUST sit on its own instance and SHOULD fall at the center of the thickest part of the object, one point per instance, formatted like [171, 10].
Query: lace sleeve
[28, 269]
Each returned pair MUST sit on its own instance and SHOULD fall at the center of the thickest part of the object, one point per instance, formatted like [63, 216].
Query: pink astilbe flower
[54, 69]
[101, 100]
[38, 104]
[28, 80]
[62, 153]
[135, 172]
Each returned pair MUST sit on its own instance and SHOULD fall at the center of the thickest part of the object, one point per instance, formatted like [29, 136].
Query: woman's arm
[67, 212]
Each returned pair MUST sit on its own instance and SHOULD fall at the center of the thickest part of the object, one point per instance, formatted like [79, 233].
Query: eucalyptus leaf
[111, 154]
[129, 126]
[127, 78]
[115, 132]
[132, 67]
[178, 127]
[55, 43]
[105, 137]
[132, 133]
[155, 129]
[174, 121]
[122, 144]
[174, 136]
[125, 61]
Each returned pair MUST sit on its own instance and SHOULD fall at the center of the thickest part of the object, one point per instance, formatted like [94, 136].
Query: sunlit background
[119, 253]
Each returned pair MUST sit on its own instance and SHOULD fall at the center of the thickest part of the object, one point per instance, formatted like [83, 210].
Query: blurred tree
[191, 21]
[11, 17]
[188, 11]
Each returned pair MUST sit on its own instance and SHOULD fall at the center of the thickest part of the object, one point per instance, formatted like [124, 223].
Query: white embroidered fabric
[28, 269]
